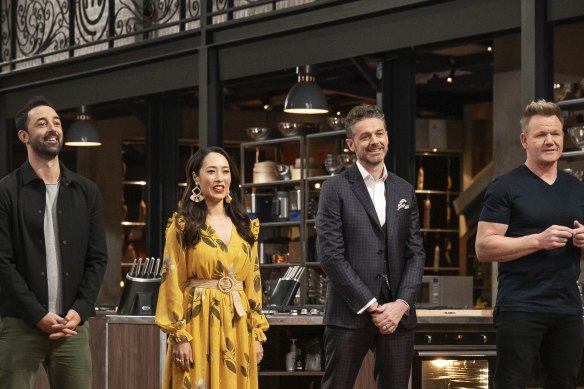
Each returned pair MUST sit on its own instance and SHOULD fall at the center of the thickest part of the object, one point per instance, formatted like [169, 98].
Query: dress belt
[226, 284]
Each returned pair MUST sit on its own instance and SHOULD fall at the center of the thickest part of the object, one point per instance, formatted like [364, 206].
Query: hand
[259, 350]
[373, 307]
[51, 324]
[182, 355]
[554, 237]
[578, 231]
[67, 328]
[387, 316]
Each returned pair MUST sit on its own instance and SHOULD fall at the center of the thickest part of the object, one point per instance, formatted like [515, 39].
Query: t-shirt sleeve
[496, 204]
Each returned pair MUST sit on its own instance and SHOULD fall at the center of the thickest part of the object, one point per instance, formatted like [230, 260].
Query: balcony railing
[37, 32]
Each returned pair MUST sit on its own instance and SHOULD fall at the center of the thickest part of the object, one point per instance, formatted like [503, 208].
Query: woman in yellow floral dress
[210, 296]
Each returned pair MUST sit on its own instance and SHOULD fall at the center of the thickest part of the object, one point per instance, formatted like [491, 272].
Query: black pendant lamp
[305, 97]
[82, 132]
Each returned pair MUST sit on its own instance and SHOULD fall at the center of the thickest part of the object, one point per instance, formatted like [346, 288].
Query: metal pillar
[536, 52]
[399, 105]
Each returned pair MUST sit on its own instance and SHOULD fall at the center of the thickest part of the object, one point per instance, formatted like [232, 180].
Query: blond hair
[542, 108]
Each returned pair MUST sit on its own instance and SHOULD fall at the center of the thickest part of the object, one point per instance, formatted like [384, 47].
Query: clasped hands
[386, 317]
[60, 327]
[557, 236]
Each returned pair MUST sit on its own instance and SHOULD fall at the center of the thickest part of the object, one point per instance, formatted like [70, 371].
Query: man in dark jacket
[52, 259]
[372, 253]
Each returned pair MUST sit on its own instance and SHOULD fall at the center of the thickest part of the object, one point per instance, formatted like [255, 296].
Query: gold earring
[228, 198]
[197, 195]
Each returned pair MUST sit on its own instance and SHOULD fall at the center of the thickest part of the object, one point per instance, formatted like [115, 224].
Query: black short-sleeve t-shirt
[544, 281]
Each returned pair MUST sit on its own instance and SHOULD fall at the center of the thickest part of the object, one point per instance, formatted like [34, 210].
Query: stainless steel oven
[445, 360]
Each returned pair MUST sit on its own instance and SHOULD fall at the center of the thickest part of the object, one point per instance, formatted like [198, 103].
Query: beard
[48, 151]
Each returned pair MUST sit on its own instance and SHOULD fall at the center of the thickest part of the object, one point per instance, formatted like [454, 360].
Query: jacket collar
[29, 175]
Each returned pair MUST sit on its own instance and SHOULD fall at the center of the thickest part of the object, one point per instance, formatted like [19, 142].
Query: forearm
[496, 248]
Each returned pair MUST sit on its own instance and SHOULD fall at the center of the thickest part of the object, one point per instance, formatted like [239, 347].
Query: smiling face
[543, 140]
[214, 177]
[369, 142]
[44, 135]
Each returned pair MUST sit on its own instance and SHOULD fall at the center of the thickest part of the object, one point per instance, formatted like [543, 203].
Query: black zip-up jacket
[23, 267]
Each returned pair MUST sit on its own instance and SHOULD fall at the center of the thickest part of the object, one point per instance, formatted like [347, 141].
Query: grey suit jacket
[351, 247]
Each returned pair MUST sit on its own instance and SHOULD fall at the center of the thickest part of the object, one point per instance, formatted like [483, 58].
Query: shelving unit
[435, 192]
[275, 235]
[310, 150]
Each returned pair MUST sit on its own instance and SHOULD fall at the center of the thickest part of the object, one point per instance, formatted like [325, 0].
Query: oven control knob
[428, 339]
[484, 338]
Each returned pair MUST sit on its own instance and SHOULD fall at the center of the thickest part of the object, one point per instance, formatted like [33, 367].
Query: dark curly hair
[21, 117]
[195, 214]
[360, 112]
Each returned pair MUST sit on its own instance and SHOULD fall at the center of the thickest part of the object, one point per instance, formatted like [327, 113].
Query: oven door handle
[478, 353]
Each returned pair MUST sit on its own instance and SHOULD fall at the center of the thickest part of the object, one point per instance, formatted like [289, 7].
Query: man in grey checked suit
[371, 250]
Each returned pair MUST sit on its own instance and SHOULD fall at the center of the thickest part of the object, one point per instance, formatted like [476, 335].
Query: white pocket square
[403, 204]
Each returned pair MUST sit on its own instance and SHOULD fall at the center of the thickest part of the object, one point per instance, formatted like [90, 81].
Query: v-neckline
[216, 234]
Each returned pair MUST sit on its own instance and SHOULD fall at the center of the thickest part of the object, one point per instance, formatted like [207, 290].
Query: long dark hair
[195, 214]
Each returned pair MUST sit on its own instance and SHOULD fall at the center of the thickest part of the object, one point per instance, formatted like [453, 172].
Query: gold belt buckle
[225, 284]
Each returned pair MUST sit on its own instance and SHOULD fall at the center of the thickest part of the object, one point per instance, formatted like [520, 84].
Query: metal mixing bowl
[577, 136]
[258, 133]
[290, 129]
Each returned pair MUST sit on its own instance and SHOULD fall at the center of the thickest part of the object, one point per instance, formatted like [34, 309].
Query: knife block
[139, 296]
[283, 294]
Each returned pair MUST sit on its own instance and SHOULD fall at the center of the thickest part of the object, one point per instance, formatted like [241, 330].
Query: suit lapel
[391, 206]
[360, 190]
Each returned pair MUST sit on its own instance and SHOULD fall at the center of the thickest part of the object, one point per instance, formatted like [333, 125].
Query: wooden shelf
[443, 268]
[135, 224]
[139, 183]
[436, 192]
[439, 230]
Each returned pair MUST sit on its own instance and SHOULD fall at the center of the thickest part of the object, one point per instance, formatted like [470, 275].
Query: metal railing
[37, 32]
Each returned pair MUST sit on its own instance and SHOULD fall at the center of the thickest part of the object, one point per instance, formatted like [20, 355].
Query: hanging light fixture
[305, 96]
[82, 132]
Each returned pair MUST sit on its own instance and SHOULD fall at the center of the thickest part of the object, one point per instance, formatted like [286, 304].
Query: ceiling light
[305, 97]
[82, 132]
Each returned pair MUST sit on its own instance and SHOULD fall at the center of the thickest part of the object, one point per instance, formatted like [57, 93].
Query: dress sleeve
[253, 289]
[170, 307]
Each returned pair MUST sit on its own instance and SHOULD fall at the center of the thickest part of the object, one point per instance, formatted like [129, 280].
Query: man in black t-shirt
[531, 223]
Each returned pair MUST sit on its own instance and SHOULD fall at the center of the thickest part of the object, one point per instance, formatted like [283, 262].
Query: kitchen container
[577, 136]
[264, 172]
[258, 133]
[295, 199]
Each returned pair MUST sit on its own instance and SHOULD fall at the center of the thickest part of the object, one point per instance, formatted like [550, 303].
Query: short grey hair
[542, 108]
[360, 112]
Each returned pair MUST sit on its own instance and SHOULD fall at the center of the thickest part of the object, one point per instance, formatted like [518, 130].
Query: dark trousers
[345, 350]
[23, 349]
[522, 338]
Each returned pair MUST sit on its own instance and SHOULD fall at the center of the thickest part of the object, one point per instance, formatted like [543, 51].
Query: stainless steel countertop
[425, 316]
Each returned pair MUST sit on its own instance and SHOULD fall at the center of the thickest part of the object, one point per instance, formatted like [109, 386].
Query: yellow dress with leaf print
[223, 342]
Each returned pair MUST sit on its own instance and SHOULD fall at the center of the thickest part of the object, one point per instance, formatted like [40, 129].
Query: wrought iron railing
[36, 32]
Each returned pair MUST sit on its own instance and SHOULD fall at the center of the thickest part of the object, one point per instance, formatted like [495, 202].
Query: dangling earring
[228, 198]
[197, 195]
